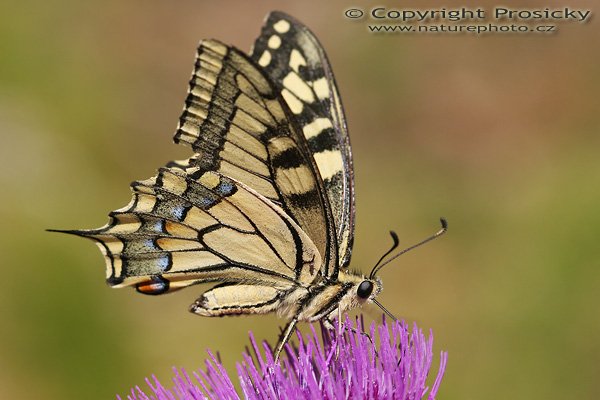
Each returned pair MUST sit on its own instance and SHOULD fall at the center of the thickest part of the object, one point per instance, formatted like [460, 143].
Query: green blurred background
[500, 134]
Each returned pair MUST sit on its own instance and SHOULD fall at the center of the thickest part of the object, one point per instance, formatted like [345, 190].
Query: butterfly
[265, 205]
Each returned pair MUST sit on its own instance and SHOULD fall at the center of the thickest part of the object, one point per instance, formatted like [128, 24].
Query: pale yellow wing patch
[237, 299]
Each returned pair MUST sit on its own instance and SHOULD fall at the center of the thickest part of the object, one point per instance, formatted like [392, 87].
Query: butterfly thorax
[324, 298]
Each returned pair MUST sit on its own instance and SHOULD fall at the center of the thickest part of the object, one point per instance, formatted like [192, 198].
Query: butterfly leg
[329, 325]
[289, 329]
[339, 332]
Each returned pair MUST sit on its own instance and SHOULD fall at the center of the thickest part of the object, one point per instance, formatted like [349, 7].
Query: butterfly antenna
[439, 233]
[396, 242]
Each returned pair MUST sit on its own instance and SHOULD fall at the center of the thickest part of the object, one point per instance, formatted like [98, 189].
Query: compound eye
[364, 289]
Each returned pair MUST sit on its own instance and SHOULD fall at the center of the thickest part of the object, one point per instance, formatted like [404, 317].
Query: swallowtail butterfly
[265, 206]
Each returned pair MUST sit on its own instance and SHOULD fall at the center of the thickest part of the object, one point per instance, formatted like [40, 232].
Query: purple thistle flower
[346, 366]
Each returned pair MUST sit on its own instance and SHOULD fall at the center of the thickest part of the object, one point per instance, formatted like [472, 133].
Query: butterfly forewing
[241, 127]
[295, 61]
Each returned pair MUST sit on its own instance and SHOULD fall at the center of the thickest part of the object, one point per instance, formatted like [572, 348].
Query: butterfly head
[364, 290]
[367, 288]
[357, 289]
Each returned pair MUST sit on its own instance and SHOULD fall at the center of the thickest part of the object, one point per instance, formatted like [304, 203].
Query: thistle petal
[328, 366]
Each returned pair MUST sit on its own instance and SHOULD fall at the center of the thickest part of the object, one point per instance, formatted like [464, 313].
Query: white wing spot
[316, 127]
[282, 26]
[274, 42]
[265, 58]
[329, 163]
[321, 88]
[292, 101]
[296, 60]
[297, 86]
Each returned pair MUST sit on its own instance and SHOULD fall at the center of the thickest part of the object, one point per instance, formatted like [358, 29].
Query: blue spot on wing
[225, 188]
[206, 202]
[159, 226]
[178, 212]
[164, 262]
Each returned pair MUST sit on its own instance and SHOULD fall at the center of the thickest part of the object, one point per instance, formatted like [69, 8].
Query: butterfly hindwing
[240, 126]
[296, 62]
[188, 227]
[233, 299]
